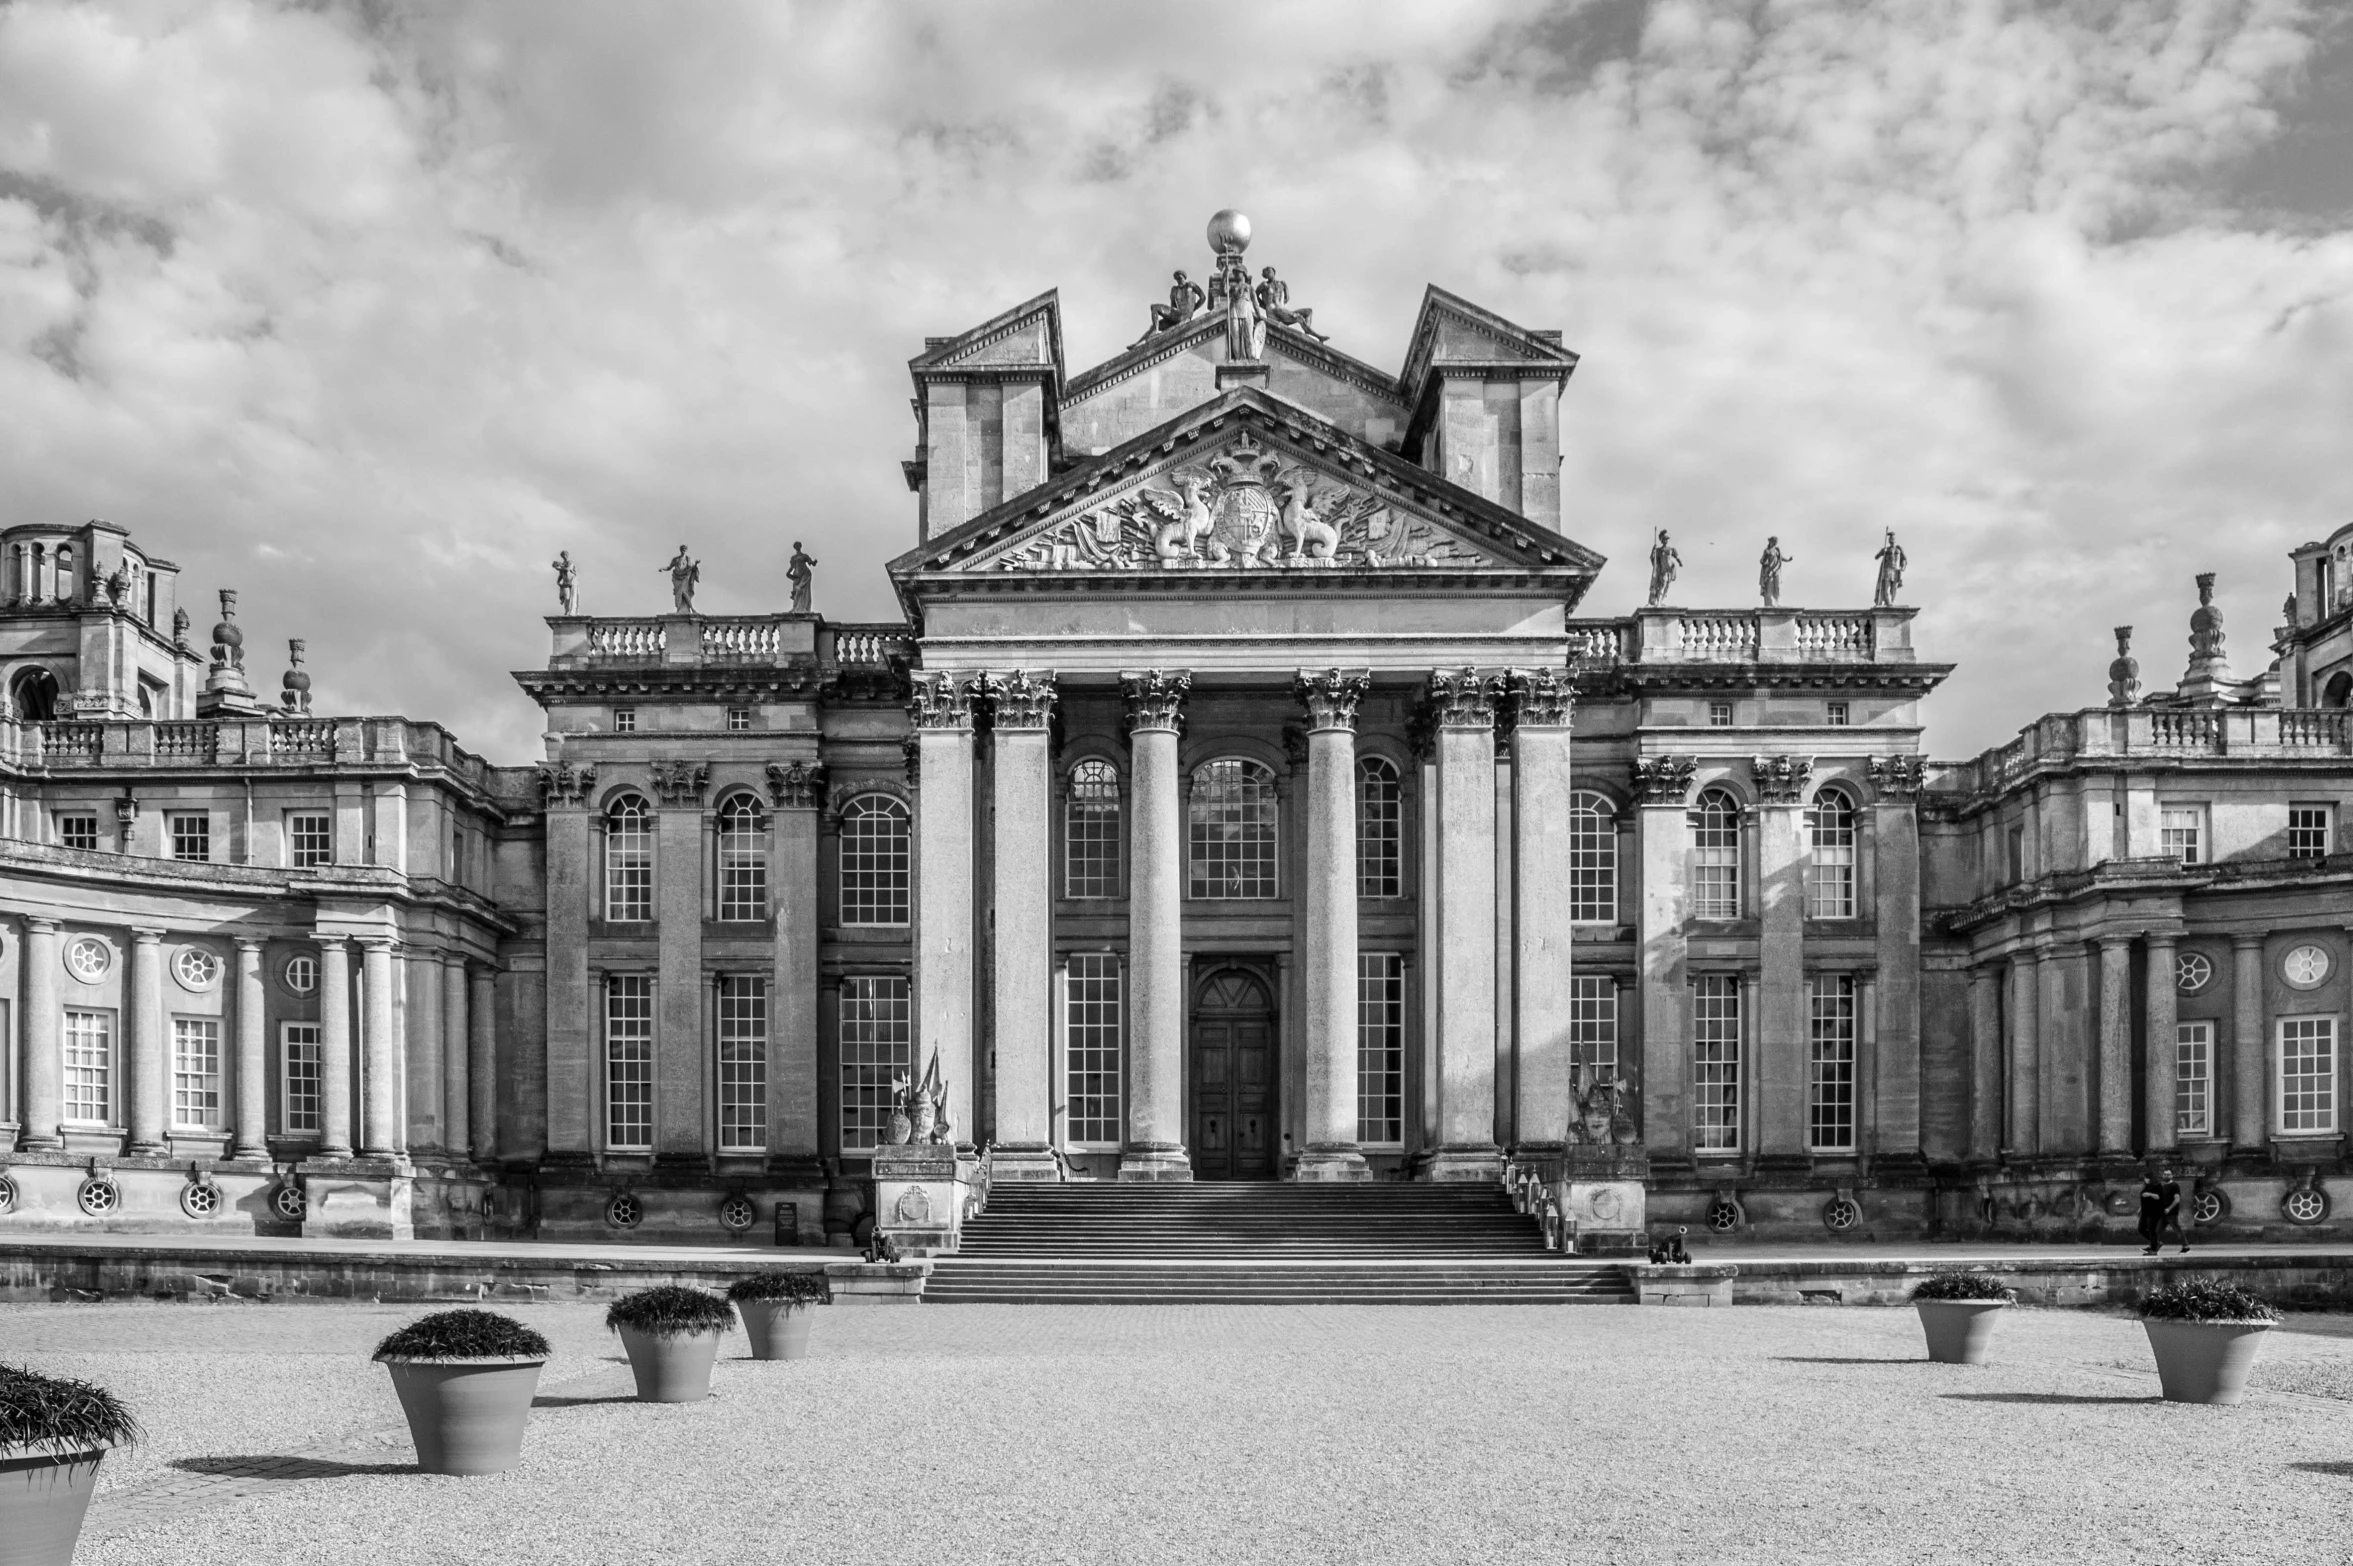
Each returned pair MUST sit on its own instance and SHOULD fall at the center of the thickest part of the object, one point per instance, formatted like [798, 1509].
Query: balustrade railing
[625, 639]
[302, 737]
[68, 740]
[188, 741]
[2311, 728]
[1597, 644]
[740, 641]
[1729, 638]
[871, 647]
[2185, 730]
[1834, 636]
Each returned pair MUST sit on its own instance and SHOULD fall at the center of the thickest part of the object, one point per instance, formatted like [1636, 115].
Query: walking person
[2160, 1212]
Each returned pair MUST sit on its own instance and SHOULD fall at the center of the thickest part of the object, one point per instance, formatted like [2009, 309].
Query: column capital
[941, 699]
[1021, 699]
[796, 785]
[373, 943]
[1156, 699]
[1664, 780]
[145, 935]
[1781, 780]
[1543, 698]
[1897, 777]
[681, 783]
[42, 926]
[1463, 698]
[249, 943]
[561, 783]
[2247, 943]
[1330, 696]
[2115, 943]
[2162, 940]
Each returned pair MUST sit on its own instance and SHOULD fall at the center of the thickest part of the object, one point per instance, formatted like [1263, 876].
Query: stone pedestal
[1603, 1196]
[919, 1193]
[358, 1199]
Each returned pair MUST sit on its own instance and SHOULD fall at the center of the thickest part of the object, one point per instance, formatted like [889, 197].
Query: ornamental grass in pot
[465, 1379]
[2206, 1337]
[775, 1310]
[54, 1431]
[672, 1334]
[1957, 1311]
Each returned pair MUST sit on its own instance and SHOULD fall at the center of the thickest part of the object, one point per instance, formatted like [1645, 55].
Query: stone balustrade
[74, 744]
[2256, 733]
[701, 640]
[1669, 636]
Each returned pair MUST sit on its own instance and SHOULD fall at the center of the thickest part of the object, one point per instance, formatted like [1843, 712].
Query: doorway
[1232, 1074]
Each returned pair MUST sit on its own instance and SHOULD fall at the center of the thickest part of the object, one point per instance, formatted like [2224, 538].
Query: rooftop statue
[684, 574]
[803, 575]
[1891, 572]
[1185, 301]
[1769, 566]
[1664, 563]
[567, 582]
[1274, 298]
[1229, 236]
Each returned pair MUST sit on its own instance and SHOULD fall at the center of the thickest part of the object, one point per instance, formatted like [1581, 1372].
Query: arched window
[1593, 860]
[1380, 829]
[1231, 830]
[743, 860]
[2339, 690]
[1715, 857]
[629, 861]
[1090, 832]
[1830, 868]
[874, 860]
[34, 694]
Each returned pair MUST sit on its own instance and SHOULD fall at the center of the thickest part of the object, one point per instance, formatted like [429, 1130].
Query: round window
[302, 975]
[87, 958]
[196, 968]
[2305, 966]
[2192, 971]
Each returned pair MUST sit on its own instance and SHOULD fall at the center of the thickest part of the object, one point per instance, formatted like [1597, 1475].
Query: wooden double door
[1231, 1059]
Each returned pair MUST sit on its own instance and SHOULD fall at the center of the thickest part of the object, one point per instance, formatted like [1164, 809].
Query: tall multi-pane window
[629, 861]
[89, 1067]
[1715, 1063]
[2193, 1078]
[1090, 831]
[2307, 1075]
[1830, 1075]
[196, 1073]
[299, 1081]
[1593, 860]
[1380, 1048]
[2181, 829]
[875, 1047]
[1715, 857]
[1593, 1023]
[629, 1061]
[1092, 1008]
[191, 832]
[310, 839]
[743, 860]
[743, 1063]
[1830, 867]
[874, 860]
[1380, 829]
[77, 831]
[1231, 830]
[2308, 831]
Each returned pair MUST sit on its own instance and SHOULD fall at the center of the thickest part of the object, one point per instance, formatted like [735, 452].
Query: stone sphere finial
[1229, 233]
[294, 689]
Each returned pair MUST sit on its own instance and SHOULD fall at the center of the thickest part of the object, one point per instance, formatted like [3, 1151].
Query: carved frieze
[1463, 699]
[940, 699]
[1543, 698]
[562, 783]
[1664, 780]
[1022, 699]
[1330, 696]
[681, 782]
[1898, 777]
[797, 785]
[1781, 780]
[1156, 699]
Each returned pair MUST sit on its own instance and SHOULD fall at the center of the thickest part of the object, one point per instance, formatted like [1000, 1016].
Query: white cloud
[369, 313]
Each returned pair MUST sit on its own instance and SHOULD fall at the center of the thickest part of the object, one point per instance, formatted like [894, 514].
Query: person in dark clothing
[2160, 1212]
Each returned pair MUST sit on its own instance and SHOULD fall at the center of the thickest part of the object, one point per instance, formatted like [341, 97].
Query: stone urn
[2204, 1361]
[1959, 1331]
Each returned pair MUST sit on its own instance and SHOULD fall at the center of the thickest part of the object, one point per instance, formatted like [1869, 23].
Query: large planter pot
[778, 1329]
[43, 1498]
[2204, 1361]
[671, 1370]
[1959, 1331]
[466, 1416]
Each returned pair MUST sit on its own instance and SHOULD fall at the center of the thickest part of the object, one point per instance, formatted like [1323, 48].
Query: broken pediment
[1028, 335]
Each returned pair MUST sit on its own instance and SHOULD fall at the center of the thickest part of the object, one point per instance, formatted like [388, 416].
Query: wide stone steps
[956, 1280]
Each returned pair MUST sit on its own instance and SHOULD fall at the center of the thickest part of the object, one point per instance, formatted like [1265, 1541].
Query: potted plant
[465, 1380]
[775, 1309]
[2205, 1337]
[54, 1431]
[1957, 1311]
[672, 1334]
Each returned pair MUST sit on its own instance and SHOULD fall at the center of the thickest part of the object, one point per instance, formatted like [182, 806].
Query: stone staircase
[1263, 1243]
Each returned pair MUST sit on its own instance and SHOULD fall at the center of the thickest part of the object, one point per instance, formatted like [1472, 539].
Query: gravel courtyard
[1096, 1434]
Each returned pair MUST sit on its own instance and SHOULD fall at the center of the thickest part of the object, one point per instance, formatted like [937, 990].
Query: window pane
[78, 832]
[874, 1049]
[629, 862]
[743, 1063]
[1091, 1033]
[310, 840]
[2193, 1077]
[1380, 829]
[1593, 860]
[1830, 869]
[629, 1061]
[1593, 1024]
[89, 1066]
[874, 861]
[1090, 832]
[1232, 831]
[1380, 1047]
[2307, 1074]
[2308, 831]
[196, 1073]
[1831, 1077]
[192, 838]
[302, 1078]
[743, 860]
[2182, 831]
[1715, 858]
[1715, 1063]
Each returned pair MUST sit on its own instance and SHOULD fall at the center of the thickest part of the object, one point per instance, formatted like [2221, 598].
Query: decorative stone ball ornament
[88, 958]
[2306, 967]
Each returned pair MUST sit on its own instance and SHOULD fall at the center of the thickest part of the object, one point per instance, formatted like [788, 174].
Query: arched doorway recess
[1232, 1073]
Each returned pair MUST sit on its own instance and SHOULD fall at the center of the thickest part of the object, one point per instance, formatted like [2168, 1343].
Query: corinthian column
[1331, 699]
[1156, 959]
[942, 710]
[1463, 703]
[252, 1094]
[1021, 707]
[1543, 700]
[2160, 1062]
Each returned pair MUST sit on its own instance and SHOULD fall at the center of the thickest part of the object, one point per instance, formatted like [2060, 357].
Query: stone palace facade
[1242, 797]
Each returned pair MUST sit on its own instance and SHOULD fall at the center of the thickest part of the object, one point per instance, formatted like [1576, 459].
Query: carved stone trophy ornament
[802, 573]
[1891, 572]
[1769, 566]
[684, 574]
[567, 582]
[1664, 563]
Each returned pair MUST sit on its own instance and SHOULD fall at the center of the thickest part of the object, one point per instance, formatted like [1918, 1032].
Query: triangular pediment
[1028, 335]
[1248, 484]
[1452, 331]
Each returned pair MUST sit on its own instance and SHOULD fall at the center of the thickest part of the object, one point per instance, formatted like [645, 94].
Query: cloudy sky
[368, 309]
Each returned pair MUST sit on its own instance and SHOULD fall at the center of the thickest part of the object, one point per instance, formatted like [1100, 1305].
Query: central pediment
[1248, 486]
